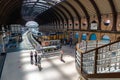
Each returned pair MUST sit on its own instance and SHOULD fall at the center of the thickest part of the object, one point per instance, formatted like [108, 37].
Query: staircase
[101, 62]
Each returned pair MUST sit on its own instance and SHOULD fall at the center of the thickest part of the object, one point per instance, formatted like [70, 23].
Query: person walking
[31, 57]
[35, 55]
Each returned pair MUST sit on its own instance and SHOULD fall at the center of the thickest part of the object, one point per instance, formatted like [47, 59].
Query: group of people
[36, 56]
[36, 59]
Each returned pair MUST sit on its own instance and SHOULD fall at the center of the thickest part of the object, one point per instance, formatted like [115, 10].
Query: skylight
[32, 8]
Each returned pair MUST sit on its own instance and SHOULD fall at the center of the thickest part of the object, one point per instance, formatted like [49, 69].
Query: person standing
[35, 55]
[39, 62]
[70, 42]
[61, 56]
[31, 57]
[65, 41]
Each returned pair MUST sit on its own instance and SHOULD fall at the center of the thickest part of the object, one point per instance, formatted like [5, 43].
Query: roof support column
[114, 15]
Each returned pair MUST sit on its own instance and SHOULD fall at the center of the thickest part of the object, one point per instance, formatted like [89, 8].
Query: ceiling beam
[54, 11]
[85, 11]
[97, 12]
[69, 13]
[57, 15]
[114, 11]
[62, 12]
[76, 12]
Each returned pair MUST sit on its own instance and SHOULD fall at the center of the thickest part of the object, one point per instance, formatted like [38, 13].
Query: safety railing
[92, 44]
[101, 62]
[46, 50]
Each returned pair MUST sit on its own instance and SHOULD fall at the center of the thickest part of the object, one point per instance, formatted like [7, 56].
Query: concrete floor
[18, 67]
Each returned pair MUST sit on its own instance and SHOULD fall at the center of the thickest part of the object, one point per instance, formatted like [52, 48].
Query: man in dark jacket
[35, 55]
[31, 57]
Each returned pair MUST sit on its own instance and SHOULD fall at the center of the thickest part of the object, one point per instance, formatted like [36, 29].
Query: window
[94, 25]
[84, 23]
[107, 22]
[76, 24]
[65, 24]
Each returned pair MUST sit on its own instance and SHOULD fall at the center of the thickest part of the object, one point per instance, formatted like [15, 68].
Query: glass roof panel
[31, 8]
[42, 6]
[29, 1]
[45, 4]
[30, 4]
[42, 1]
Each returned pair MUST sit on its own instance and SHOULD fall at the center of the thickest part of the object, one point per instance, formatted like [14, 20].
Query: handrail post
[95, 64]
[75, 55]
[81, 62]
[110, 46]
[96, 43]
[86, 45]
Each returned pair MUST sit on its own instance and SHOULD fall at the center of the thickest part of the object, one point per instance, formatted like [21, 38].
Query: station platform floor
[17, 66]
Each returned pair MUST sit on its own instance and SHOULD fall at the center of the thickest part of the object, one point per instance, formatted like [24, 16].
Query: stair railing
[101, 62]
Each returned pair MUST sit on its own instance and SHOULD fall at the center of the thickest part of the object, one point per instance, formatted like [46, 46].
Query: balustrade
[105, 58]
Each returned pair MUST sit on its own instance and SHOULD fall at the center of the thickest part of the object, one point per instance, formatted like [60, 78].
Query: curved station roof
[45, 11]
[32, 8]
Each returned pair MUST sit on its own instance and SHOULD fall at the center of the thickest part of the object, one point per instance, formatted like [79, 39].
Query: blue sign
[93, 37]
[84, 36]
[77, 35]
